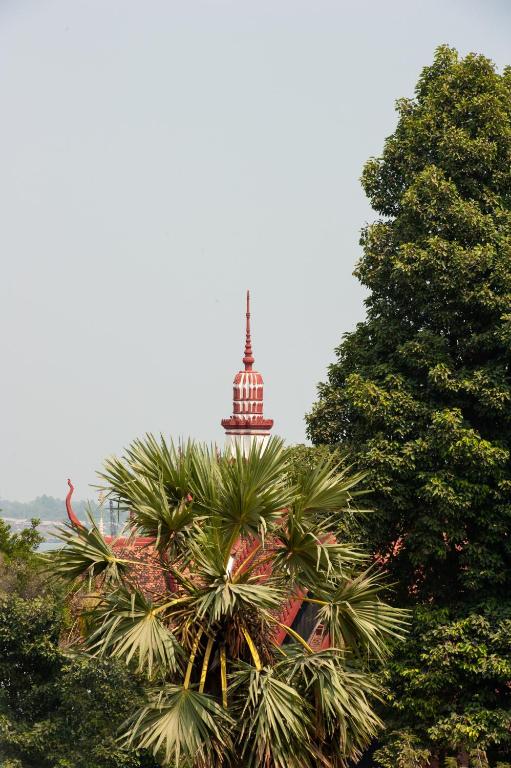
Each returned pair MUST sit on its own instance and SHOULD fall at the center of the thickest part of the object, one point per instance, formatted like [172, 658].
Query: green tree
[221, 691]
[449, 686]
[56, 711]
[420, 392]
[19, 562]
[22, 545]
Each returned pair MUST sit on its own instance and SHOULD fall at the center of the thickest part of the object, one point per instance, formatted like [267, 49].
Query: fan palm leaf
[161, 460]
[225, 598]
[310, 555]
[85, 553]
[182, 728]
[152, 484]
[344, 716]
[217, 593]
[250, 492]
[357, 619]
[130, 627]
[275, 721]
[326, 488]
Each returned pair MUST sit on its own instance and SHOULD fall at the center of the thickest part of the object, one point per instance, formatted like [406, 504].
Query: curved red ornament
[74, 520]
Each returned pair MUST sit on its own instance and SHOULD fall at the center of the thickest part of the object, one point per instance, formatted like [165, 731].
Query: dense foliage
[55, 711]
[237, 538]
[18, 561]
[450, 686]
[421, 390]
[19, 546]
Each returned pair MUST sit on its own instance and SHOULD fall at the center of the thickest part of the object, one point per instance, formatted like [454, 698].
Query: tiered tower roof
[247, 412]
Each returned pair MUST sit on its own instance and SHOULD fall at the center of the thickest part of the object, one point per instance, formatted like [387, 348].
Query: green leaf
[357, 621]
[344, 712]
[152, 482]
[250, 491]
[85, 553]
[275, 721]
[131, 627]
[182, 727]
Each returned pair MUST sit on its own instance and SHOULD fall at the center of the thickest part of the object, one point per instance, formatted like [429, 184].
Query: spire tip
[249, 357]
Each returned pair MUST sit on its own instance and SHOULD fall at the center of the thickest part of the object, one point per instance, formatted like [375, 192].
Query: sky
[156, 160]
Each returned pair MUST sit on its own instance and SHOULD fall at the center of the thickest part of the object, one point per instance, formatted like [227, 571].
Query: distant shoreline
[44, 508]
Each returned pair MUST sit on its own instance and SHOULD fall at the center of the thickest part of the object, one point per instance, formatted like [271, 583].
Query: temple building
[247, 423]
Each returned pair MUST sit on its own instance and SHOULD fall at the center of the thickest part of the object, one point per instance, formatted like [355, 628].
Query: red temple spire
[249, 357]
[247, 423]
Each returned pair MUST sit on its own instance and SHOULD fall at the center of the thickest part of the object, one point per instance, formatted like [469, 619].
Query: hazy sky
[157, 158]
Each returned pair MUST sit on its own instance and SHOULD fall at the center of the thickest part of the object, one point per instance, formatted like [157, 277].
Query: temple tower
[247, 423]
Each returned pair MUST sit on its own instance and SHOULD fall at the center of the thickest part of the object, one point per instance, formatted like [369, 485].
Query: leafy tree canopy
[56, 711]
[420, 392]
[20, 545]
[19, 560]
[449, 685]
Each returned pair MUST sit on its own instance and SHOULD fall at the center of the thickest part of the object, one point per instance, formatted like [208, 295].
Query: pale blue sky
[156, 159]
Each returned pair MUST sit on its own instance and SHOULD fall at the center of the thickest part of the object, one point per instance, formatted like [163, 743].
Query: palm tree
[234, 676]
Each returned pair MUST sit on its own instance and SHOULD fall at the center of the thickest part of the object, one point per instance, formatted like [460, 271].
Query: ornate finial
[247, 424]
[249, 357]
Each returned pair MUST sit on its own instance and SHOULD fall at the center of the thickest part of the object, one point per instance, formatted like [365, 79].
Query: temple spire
[247, 424]
[249, 357]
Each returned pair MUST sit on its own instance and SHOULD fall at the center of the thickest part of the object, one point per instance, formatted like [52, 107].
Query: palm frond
[249, 493]
[182, 728]
[225, 598]
[206, 479]
[325, 489]
[309, 555]
[85, 553]
[130, 627]
[344, 715]
[275, 720]
[357, 620]
[160, 460]
[217, 593]
[152, 483]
